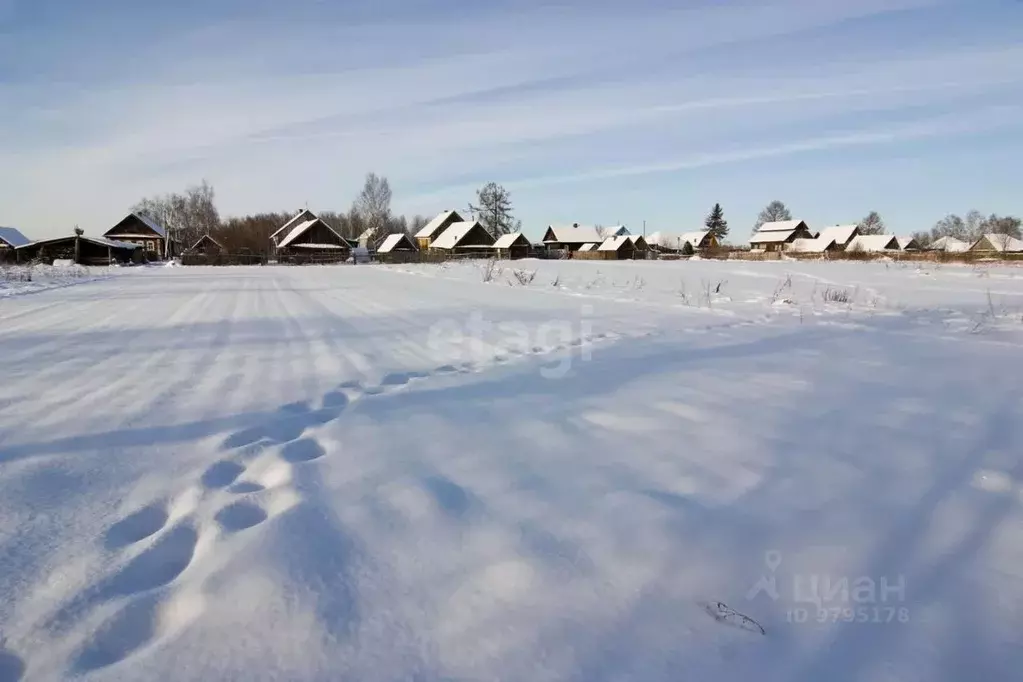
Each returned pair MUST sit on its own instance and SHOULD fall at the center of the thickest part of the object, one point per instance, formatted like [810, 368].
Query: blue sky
[603, 111]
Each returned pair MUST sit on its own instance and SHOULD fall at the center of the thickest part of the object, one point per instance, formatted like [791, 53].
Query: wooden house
[621, 247]
[397, 248]
[777, 236]
[313, 241]
[512, 246]
[820, 245]
[908, 243]
[302, 216]
[949, 245]
[434, 228]
[572, 238]
[997, 243]
[142, 230]
[464, 238]
[79, 249]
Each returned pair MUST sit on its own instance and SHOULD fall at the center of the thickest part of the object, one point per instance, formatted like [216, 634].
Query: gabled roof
[302, 228]
[152, 224]
[575, 234]
[818, 245]
[905, 241]
[431, 227]
[1002, 243]
[636, 239]
[302, 216]
[588, 247]
[841, 234]
[13, 237]
[615, 243]
[392, 241]
[506, 241]
[949, 245]
[771, 237]
[694, 238]
[781, 226]
[451, 237]
[206, 238]
[873, 242]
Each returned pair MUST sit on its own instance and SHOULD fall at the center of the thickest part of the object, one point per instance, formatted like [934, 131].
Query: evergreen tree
[494, 210]
[716, 222]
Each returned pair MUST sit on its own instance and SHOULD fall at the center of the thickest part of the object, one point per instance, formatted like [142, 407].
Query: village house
[434, 228]
[622, 247]
[819, 245]
[949, 245]
[142, 230]
[464, 237]
[908, 243]
[512, 246]
[313, 241]
[777, 236]
[206, 245]
[683, 243]
[997, 243]
[572, 238]
[302, 216]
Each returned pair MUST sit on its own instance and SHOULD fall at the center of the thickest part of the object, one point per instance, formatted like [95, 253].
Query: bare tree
[373, 207]
[601, 231]
[186, 217]
[773, 212]
[872, 224]
[950, 226]
[1009, 225]
[494, 210]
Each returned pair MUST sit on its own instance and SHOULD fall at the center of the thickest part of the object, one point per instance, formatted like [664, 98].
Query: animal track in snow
[240, 516]
[135, 527]
[246, 488]
[222, 474]
[156, 566]
[305, 450]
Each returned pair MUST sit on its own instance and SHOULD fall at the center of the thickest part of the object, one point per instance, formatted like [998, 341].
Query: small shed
[908, 243]
[397, 248]
[206, 246]
[820, 245]
[512, 246]
[138, 228]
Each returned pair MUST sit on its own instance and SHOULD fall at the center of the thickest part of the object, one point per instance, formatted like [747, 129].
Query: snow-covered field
[618, 471]
[24, 279]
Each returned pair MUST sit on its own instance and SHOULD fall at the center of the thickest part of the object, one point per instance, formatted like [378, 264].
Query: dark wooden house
[512, 246]
[313, 241]
[145, 232]
[464, 238]
[436, 227]
[207, 246]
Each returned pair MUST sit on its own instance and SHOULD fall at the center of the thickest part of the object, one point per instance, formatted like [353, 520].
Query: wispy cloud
[278, 108]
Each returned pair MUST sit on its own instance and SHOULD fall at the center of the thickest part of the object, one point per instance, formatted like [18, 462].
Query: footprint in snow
[135, 527]
[222, 474]
[12, 668]
[241, 516]
[305, 450]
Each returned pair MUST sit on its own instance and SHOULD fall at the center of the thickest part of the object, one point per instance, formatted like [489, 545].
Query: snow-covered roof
[339, 247]
[506, 241]
[450, 237]
[781, 226]
[615, 243]
[13, 237]
[1002, 243]
[152, 224]
[635, 238]
[588, 247]
[841, 234]
[99, 241]
[302, 216]
[575, 234]
[206, 238]
[771, 237]
[392, 240]
[949, 245]
[818, 245]
[694, 238]
[302, 228]
[437, 223]
[873, 242]
[905, 241]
